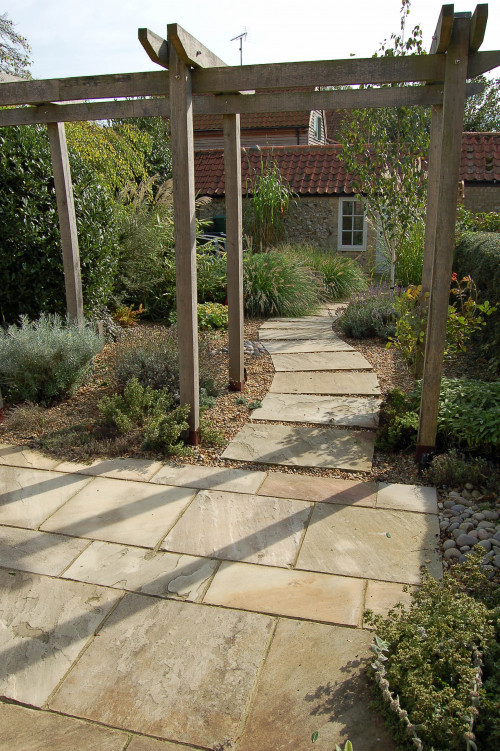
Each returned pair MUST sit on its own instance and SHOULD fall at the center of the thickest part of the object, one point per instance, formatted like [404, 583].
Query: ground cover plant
[373, 313]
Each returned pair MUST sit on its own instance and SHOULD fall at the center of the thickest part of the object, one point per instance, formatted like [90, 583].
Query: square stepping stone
[296, 333]
[382, 596]
[320, 489]
[303, 447]
[407, 497]
[297, 594]
[120, 469]
[206, 478]
[315, 325]
[22, 456]
[291, 362]
[38, 552]
[313, 680]
[29, 496]
[133, 513]
[241, 527]
[371, 543]
[348, 411]
[23, 729]
[163, 574]
[171, 669]
[334, 344]
[351, 384]
[45, 623]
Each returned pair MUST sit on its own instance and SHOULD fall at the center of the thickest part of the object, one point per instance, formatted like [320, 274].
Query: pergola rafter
[189, 68]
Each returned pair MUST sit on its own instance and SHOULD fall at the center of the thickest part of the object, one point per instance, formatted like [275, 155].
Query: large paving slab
[23, 729]
[350, 384]
[134, 569]
[120, 469]
[333, 344]
[29, 496]
[150, 744]
[382, 596]
[290, 362]
[371, 543]
[320, 489]
[22, 456]
[241, 527]
[38, 552]
[315, 326]
[348, 411]
[175, 670]
[45, 623]
[133, 513]
[299, 594]
[407, 497]
[206, 478]
[299, 446]
[313, 680]
[295, 334]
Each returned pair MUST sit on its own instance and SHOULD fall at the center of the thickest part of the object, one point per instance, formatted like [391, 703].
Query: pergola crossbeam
[155, 46]
[190, 50]
[478, 27]
[442, 36]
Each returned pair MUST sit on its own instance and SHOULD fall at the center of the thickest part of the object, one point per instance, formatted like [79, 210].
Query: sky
[90, 37]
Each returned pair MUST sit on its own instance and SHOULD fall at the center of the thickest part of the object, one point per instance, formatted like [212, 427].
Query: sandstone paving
[325, 334]
[356, 412]
[320, 489]
[295, 361]
[29, 496]
[37, 552]
[174, 670]
[45, 624]
[300, 446]
[205, 478]
[136, 569]
[22, 456]
[150, 744]
[333, 344]
[133, 513]
[381, 544]
[407, 497]
[241, 527]
[314, 680]
[298, 594]
[23, 729]
[120, 469]
[307, 323]
[350, 384]
[382, 596]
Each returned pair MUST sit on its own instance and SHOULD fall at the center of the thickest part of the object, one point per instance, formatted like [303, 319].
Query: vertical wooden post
[232, 166]
[449, 159]
[431, 220]
[67, 221]
[181, 127]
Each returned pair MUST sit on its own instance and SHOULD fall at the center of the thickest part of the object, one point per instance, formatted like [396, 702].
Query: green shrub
[211, 315]
[211, 270]
[410, 260]
[430, 658]
[276, 284]
[45, 359]
[268, 205]
[454, 470]
[31, 266]
[339, 277]
[468, 221]
[367, 316]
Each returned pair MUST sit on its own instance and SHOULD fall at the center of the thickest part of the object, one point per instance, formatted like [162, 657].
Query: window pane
[347, 222]
[357, 238]
[358, 222]
[358, 208]
[346, 238]
[347, 207]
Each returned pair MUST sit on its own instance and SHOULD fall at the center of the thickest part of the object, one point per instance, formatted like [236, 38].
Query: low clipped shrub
[338, 276]
[369, 315]
[276, 284]
[45, 359]
[454, 469]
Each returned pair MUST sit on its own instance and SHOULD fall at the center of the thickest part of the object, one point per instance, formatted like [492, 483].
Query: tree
[482, 111]
[14, 50]
[158, 160]
[382, 150]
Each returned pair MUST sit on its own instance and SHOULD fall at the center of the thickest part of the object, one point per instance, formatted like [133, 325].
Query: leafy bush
[211, 270]
[276, 284]
[429, 657]
[211, 315]
[468, 221]
[454, 470]
[367, 316]
[31, 267]
[410, 260]
[45, 359]
[339, 276]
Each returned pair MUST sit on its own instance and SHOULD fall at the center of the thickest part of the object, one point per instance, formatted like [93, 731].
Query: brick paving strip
[160, 607]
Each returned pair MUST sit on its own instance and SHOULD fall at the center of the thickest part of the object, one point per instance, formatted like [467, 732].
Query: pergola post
[181, 134]
[449, 169]
[232, 167]
[67, 221]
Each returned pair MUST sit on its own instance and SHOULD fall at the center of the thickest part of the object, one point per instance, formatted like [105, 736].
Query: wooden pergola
[229, 90]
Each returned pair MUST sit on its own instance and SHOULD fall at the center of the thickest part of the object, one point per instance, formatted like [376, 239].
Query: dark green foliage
[276, 284]
[31, 266]
[211, 269]
[45, 359]
[454, 470]
[369, 315]
[478, 254]
[338, 276]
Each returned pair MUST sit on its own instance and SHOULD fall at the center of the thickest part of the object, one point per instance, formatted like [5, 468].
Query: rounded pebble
[448, 544]
[496, 561]
[486, 544]
[465, 540]
[453, 553]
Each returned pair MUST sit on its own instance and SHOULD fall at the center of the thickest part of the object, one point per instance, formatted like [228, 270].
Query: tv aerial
[241, 37]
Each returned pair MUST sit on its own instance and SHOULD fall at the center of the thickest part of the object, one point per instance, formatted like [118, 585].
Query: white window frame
[317, 129]
[340, 245]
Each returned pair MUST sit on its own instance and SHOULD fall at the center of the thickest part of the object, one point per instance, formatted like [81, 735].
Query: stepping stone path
[160, 607]
[311, 385]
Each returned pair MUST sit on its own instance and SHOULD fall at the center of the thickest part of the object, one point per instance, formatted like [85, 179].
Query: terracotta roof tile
[480, 160]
